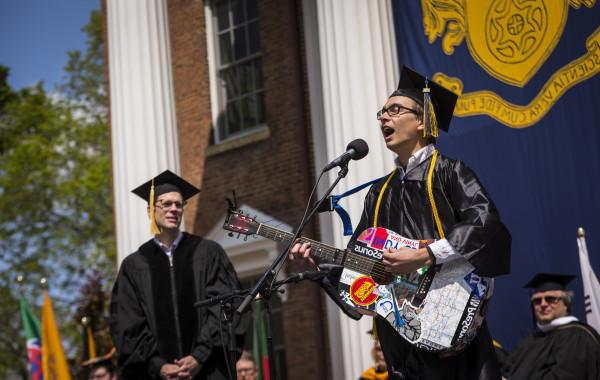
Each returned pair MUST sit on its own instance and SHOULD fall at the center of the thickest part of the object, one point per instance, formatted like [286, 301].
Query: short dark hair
[246, 355]
[106, 364]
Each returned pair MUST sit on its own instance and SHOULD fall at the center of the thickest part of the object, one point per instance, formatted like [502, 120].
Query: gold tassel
[153, 227]
[429, 118]
[91, 345]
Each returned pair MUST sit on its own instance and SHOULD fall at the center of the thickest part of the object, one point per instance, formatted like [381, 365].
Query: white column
[352, 69]
[143, 124]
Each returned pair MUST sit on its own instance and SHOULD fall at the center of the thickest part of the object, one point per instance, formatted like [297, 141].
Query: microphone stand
[226, 308]
[260, 287]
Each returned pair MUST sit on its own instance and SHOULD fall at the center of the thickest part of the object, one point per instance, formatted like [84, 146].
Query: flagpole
[32, 329]
[20, 280]
[591, 285]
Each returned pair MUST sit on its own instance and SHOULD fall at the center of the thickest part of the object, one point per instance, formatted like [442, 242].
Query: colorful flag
[591, 286]
[31, 325]
[259, 341]
[53, 356]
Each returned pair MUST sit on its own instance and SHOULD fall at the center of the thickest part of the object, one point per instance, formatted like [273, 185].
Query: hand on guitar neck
[301, 251]
[396, 261]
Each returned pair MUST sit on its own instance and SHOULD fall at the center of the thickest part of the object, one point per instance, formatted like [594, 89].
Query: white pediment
[250, 255]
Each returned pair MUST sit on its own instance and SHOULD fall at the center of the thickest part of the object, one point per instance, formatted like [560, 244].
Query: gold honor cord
[431, 200]
[436, 216]
[389, 178]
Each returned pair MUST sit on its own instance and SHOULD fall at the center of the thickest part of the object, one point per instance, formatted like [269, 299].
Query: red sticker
[381, 236]
[362, 291]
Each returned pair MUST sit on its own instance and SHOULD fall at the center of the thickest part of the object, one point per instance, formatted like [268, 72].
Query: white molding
[352, 68]
[143, 122]
[212, 67]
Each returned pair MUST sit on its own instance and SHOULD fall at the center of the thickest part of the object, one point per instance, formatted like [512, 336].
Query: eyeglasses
[168, 205]
[394, 110]
[549, 300]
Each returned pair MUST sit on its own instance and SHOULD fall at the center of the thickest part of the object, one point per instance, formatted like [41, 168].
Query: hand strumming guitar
[405, 260]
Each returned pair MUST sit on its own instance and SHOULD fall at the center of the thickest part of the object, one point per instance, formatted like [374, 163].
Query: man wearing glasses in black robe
[561, 347]
[157, 331]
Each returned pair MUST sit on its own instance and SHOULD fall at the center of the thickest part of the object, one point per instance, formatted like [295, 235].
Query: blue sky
[35, 36]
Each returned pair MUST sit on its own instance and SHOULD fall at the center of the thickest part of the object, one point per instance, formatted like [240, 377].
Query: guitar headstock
[236, 221]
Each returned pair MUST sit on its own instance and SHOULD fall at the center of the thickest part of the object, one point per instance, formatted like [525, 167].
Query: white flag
[591, 286]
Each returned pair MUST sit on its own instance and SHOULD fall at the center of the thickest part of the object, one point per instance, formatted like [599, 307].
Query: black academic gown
[568, 352]
[472, 226]
[142, 308]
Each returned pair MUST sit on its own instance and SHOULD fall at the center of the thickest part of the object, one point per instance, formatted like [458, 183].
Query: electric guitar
[437, 309]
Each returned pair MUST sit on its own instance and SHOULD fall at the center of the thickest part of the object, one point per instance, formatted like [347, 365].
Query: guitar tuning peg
[254, 236]
[230, 234]
[238, 236]
[246, 238]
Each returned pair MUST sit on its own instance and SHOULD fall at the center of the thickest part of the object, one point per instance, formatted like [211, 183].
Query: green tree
[55, 191]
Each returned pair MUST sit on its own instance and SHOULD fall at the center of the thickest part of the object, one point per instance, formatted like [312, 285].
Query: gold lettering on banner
[517, 116]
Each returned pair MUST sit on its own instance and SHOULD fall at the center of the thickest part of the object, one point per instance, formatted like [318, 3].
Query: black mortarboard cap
[411, 85]
[543, 282]
[166, 182]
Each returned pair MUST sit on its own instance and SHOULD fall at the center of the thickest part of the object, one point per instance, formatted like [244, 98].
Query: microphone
[312, 275]
[355, 150]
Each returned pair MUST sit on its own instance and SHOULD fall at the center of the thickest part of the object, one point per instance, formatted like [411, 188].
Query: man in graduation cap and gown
[561, 347]
[460, 215]
[156, 329]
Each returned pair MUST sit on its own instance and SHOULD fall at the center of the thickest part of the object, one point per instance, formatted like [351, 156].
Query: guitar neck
[321, 251]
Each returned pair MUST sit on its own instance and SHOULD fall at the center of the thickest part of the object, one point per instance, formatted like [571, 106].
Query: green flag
[31, 325]
[259, 341]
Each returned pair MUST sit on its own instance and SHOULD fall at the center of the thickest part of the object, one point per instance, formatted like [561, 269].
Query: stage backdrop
[527, 121]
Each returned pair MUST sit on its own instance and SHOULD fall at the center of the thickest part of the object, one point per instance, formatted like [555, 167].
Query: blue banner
[527, 121]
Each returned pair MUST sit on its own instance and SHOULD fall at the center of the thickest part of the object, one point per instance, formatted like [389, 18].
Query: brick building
[256, 96]
[267, 163]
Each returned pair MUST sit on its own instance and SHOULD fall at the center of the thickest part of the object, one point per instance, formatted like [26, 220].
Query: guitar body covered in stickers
[438, 309]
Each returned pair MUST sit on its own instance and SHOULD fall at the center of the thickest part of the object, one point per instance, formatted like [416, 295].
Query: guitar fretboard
[324, 252]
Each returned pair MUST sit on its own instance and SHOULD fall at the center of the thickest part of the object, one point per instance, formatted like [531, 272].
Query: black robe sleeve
[478, 235]
[135, 344]
[570, 352]
[219, 278]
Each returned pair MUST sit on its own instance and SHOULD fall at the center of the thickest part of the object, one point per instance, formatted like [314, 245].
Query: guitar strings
[352, 260]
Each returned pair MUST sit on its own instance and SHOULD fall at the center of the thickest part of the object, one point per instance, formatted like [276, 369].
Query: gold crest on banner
[510, 40]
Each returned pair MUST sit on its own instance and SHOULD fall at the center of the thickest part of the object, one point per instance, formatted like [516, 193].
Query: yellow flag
[54, 361]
